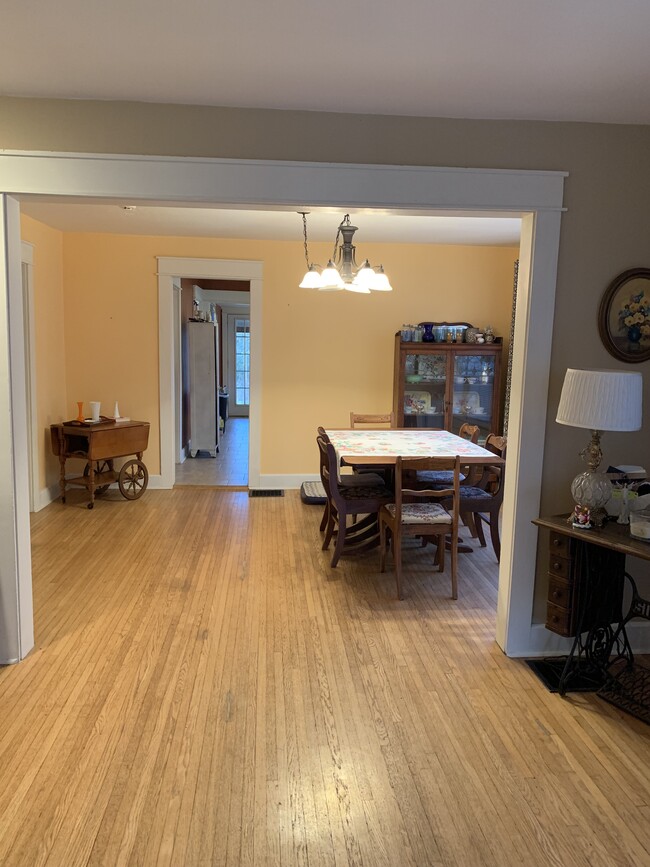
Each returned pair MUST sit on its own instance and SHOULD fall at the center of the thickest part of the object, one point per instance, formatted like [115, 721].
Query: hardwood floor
[205, 690]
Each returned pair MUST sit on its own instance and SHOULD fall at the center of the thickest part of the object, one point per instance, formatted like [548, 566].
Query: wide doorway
[536, 196]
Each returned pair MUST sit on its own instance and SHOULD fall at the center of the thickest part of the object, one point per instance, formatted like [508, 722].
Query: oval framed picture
[624, 316]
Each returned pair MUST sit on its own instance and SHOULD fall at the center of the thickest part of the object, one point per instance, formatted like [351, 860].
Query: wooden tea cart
[99, 444]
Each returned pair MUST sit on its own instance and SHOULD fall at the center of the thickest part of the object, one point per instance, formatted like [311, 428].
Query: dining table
[382, 447]
[374, 447]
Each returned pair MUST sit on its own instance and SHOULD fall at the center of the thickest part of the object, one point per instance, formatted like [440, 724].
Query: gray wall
[606, 228]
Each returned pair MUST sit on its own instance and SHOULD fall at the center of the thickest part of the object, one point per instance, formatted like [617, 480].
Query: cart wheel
[133, 479]
[102, 467]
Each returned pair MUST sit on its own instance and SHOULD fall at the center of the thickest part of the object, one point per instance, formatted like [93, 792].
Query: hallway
[229, 468]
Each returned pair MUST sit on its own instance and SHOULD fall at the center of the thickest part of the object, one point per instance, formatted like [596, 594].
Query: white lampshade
[365, 277]
[601, 400]
[381, 282]
[312, 278]
[330, 279]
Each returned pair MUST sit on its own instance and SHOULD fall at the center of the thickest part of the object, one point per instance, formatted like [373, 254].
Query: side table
[587, 580]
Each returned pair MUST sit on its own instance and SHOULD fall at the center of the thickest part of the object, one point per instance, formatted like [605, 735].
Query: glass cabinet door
[425, 378]
[473, 393]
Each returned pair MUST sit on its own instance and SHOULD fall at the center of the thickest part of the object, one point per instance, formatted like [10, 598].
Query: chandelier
[342, 271]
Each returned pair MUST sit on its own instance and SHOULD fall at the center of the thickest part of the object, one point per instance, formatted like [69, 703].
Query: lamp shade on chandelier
[342, 271]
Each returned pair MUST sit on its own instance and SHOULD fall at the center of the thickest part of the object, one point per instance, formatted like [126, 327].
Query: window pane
[242, 361]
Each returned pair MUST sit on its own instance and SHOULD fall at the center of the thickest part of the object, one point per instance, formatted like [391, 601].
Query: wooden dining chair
[348, 496]
[380, 419]
[374, 419]
[467, 473]
[405, 517]
[482, 501]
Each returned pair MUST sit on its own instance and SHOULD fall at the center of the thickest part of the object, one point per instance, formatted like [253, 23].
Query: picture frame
[624, 316]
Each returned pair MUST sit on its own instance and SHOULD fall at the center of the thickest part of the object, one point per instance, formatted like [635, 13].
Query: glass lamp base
[592, 490]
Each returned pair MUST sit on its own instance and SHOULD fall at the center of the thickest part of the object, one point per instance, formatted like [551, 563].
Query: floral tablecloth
[418, 442]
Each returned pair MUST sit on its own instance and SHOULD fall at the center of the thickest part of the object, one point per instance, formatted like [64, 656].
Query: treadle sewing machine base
[587, 584]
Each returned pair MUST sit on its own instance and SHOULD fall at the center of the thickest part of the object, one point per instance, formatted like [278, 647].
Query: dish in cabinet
[417, 401]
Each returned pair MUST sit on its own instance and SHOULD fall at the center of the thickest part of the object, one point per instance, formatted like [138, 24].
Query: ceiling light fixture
[342, 271]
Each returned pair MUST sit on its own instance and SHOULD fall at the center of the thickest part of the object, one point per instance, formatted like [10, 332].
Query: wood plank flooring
[205, 690]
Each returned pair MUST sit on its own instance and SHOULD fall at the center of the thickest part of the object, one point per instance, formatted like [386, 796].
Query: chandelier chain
[304, 231]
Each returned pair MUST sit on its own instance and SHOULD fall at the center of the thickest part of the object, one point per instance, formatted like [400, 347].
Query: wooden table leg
[91, 483]
[62, 475]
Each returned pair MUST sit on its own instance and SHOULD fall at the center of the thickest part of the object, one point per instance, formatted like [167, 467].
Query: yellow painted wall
[323, 354]
[49, 333]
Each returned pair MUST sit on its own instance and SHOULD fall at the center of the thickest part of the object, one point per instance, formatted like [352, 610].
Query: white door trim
[208, 269]
[29, 314]
[16, 606]
[536, 194]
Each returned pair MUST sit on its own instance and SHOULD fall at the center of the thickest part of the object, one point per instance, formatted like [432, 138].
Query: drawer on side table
[560, 606]
[559, 619]
[560, 544]
[560, 592]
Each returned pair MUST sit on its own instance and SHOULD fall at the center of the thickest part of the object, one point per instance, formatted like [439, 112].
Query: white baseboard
[156, 483]
[47, 496]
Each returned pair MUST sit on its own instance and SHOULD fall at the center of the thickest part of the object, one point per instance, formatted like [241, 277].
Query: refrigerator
[203, 351]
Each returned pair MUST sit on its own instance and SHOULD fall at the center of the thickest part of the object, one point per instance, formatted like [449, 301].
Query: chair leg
[454, 564]
[340, 541]
[382, 546]
[325, 518]
[440, 552]
[331, 524]
[479, 529]
[494, 535]
[397, 558]
[329, 533]
[468, 520]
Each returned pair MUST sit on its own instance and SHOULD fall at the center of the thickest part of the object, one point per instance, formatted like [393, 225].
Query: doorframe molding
[29, 317]
[16, 601]
[535, 196]
[207, 269]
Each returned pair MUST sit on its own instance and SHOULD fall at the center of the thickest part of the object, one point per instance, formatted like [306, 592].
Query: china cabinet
[444, 385]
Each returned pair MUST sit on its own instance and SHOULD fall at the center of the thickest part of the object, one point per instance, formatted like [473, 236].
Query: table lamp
[599, 400]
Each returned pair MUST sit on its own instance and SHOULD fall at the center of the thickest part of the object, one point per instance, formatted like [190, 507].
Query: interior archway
[535, 196]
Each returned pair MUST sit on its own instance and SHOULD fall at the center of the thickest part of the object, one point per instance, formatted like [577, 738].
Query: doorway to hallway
[226, 303]
[230, 467]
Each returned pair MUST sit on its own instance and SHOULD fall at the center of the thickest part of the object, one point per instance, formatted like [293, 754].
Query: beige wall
[49, 333]
[323, 353]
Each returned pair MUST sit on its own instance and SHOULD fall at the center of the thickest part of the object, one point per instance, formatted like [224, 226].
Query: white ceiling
[553, 60]
[585, 60]
[276, 225]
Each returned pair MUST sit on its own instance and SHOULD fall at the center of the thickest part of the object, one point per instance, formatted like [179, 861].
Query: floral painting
[624, 320]
[634, 318]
